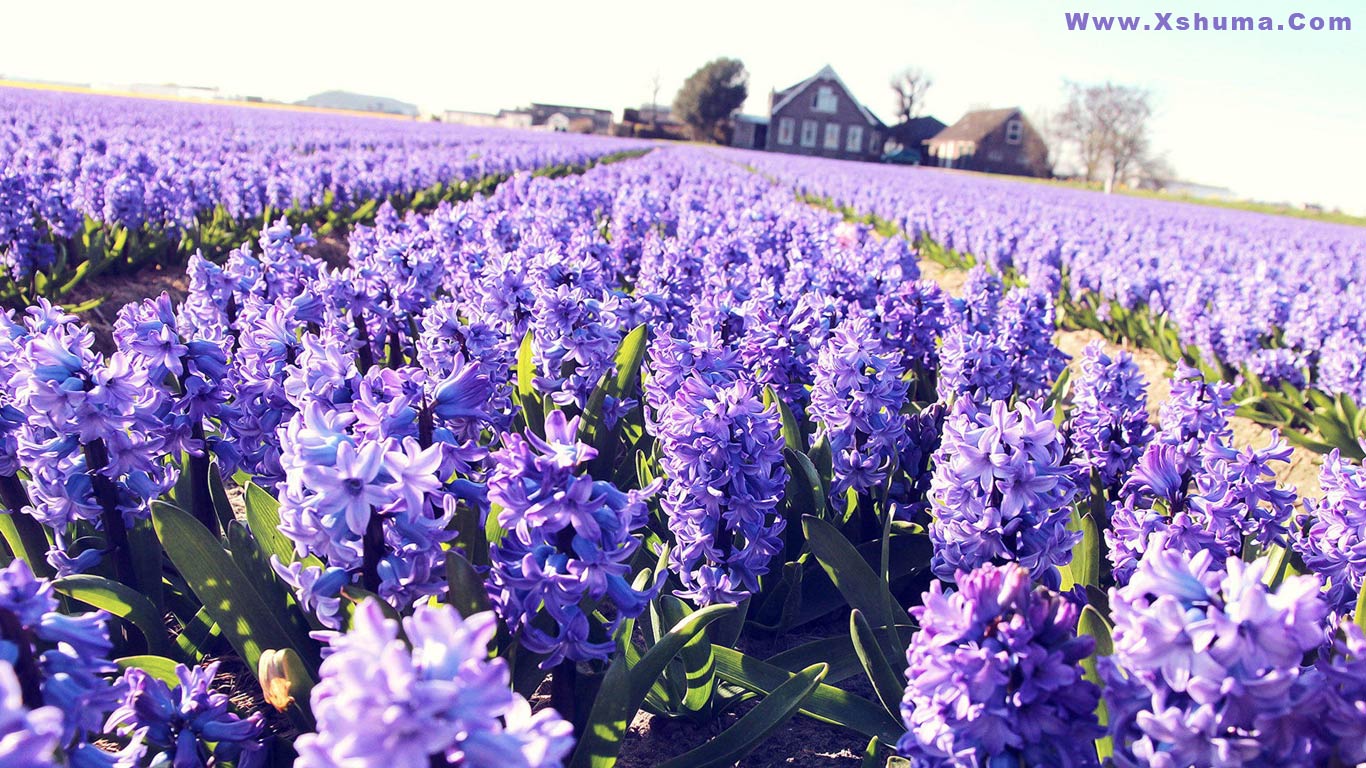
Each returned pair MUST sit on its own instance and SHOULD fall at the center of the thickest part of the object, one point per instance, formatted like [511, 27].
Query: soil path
[1302, 472]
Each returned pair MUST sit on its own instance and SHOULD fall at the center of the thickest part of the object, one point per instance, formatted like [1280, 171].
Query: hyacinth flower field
[635, 454]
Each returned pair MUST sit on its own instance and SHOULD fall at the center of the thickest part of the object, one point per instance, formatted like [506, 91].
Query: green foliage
[119, 600]
[617, 384]
[828, 704]
[749, 731]
[249, 622]
[858, 582]
[887, 684]
[625, 686]
[1097, 626]
[710, 95]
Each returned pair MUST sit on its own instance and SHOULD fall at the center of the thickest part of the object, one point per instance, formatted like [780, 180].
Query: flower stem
[25, 663]
[365, 354]
[372, 550]
[111, 519]
[200, 498]
[563, 682]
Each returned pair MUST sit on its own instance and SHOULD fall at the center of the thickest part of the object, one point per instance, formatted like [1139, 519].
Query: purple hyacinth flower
[994, 676]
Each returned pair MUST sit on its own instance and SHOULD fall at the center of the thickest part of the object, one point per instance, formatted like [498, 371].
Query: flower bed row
[591, 437]
[99, 182]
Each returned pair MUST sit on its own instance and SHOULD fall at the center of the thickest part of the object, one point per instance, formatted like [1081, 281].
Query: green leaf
[533, 409]
[147, 565]
[353, 596]
[856, 580]
[1093, 624]
[28, 542]
[1058, 393]
[837, 651]
[805, 494]
[1334, 431]
[364, 212]
[83, 306]
[823, 459]
[246, 619]
[1360, 614]
[218, 494]
[887, 684]
[120, 240]
[698, 665]
[644, 472]
[828, 704]
[593, 428]
[263, 518]
[1304, 441]
[1277, 563]
[792, 432]
[159, 667]
[120, 600]
[1085, 566]
[77, 275]
[246, 552]
[198, 634]
[466, 588]
[782, 603]
[909, 555]
[871, 758]
[757, 725]
[624, 688]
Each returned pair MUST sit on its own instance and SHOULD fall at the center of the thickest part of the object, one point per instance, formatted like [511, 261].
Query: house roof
[568, 108]
[916, 131]
[827, 72]
[975, 125]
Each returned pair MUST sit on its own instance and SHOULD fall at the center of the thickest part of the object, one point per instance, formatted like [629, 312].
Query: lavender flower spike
[1207, 663]
[382, 703]
[994, 676]
[1000, 491]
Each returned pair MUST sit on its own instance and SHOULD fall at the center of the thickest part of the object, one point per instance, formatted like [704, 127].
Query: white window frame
[787, 128]
[825, 100]
[853, 139]
[832, 136]
[1015, 131]
[808, 138]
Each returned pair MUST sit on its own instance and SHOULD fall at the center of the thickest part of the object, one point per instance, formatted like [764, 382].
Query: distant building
[820, 116]
[991, 141]
[558, 117]
[514, 118]
[463, 117]
[649, 121]
[749, 132]
[174, 91]
[908, 138]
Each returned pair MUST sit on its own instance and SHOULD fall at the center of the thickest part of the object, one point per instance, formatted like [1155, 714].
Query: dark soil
[118, 289]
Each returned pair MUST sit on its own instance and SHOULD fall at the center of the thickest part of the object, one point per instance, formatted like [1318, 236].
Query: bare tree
[1107, 126]
[654, 101]
[910, 85]
[1155, 171]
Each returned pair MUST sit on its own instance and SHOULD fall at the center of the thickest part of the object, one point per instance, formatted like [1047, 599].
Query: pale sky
[1272, 115]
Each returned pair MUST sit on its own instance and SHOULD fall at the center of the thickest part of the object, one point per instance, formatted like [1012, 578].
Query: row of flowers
[105, 178]
[591, 436]
[1271, 296]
